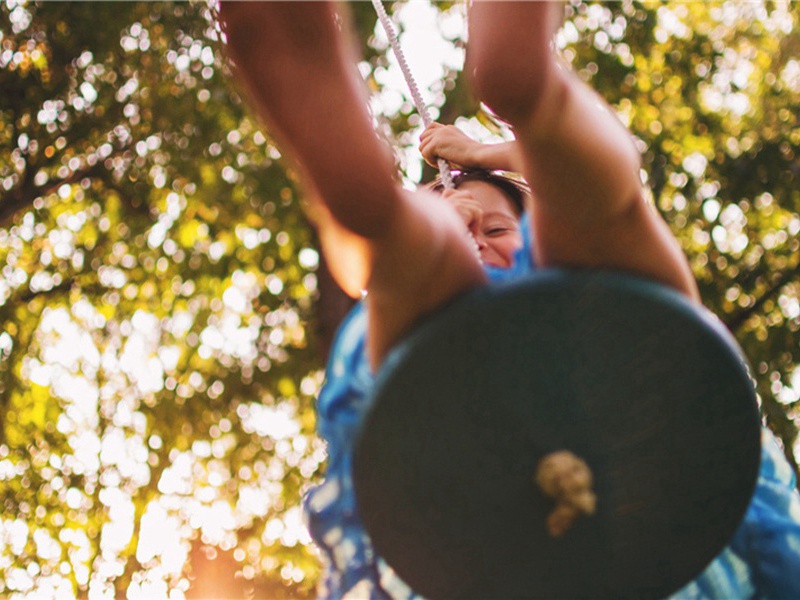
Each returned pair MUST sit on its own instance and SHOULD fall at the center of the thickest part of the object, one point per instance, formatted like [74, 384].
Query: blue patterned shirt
[762, 560]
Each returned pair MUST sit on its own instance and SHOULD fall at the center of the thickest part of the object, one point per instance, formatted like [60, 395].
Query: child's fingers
[427, 149]
[425, 145]
[430, 130]
[468, 208]
[432, 127]
[448, 142]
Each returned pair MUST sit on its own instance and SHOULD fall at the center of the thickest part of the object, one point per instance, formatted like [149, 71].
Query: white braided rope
[422, 109]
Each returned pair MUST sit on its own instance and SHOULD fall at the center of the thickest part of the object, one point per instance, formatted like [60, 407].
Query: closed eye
[495, 231]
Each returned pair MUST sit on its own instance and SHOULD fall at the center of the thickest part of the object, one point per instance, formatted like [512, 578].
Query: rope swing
[643, 398]
[578, 433]
[416, 97]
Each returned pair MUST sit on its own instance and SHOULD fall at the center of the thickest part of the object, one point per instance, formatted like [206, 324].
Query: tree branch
[24, 195]
[736, 321]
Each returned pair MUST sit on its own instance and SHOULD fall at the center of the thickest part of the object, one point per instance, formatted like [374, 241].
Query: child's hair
[515, 190]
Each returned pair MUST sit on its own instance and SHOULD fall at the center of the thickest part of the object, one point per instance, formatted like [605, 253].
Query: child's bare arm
[409, 252]
[588, 206]
[457, 148]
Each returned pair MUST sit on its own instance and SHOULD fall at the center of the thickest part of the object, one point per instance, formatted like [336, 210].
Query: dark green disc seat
[650, 390]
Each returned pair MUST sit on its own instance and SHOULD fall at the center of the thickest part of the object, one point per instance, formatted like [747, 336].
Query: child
[411, 251]
[413, 255]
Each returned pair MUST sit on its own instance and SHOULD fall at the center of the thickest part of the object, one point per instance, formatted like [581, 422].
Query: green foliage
[157, 363]
[157, 286]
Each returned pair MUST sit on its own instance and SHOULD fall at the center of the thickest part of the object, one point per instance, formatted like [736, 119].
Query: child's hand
[450, 143]
[467, 207]
[471, 213]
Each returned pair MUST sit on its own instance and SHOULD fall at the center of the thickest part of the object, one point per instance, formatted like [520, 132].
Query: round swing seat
[650, 391]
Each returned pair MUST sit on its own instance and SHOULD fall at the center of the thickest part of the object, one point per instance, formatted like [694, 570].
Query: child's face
[492, 222]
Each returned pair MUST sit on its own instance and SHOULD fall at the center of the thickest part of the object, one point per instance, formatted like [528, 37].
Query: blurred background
[164, 310]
